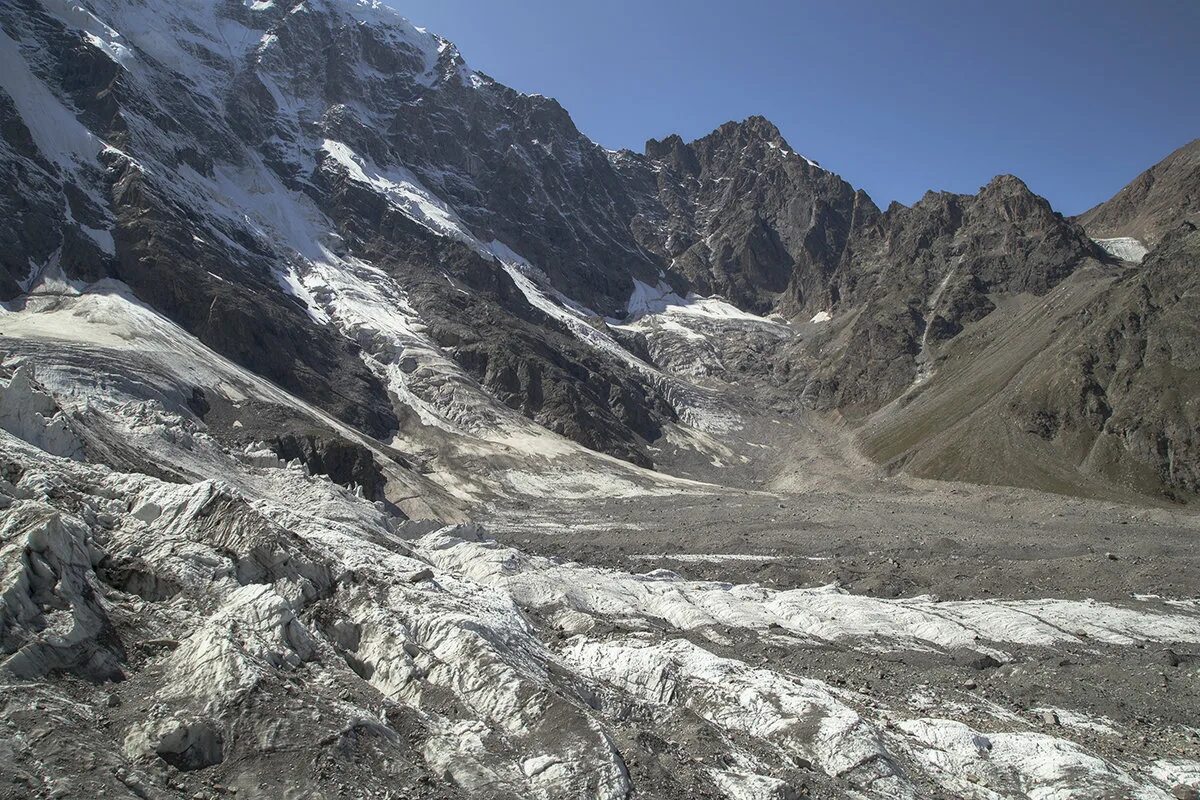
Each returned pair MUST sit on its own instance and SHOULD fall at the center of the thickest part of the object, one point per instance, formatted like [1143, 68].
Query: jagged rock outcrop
[345, 463]
[738, 213]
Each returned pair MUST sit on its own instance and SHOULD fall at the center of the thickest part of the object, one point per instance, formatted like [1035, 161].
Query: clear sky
[898, 97]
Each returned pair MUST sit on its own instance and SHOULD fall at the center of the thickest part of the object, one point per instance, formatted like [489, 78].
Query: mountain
[367, 430]
[919, 275]
[741, 215]
[307, 159]
[1084, 385]
[1154, 204]
[1082, 392]
[240, 166]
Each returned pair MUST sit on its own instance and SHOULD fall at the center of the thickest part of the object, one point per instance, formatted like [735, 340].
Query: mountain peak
[755, 128]
[1006, 184]
[663, 148]
[758, 125]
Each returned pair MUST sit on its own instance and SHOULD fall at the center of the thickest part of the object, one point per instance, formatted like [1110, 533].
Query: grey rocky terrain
[1154, 204]
[367, 431]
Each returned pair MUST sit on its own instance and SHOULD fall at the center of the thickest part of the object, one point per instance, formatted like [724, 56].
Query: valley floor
[795, 507]
[954, 543]
[915, 541]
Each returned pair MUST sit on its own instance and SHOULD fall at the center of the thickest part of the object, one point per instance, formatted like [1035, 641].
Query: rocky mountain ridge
[1154, 204]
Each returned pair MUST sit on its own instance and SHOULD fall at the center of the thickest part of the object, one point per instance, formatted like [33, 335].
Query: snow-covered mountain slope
[99, 346]
[104, 353]
[273, 215]
[331, 198]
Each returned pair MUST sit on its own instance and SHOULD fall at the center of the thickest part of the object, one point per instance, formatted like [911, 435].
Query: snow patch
[402, 190]
[662, 299]
[1125, 248]
[1035, 765]
[59, 136]
[750, 786]
[783, 150]
[94, 30]
[703, 558]
[1178, 772]
[802, 718]
[555, 484]
[825, 614]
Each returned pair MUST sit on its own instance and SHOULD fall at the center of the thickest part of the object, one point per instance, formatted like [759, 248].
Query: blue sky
[1074, 97]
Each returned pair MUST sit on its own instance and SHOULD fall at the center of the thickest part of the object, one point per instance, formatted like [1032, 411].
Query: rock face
[738, 213]
[1154, 204]
[917, 276]
[1133, 375]
[185, 745]
[345, 463]
[1089, 387]
[331, 112]
[102, 135]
